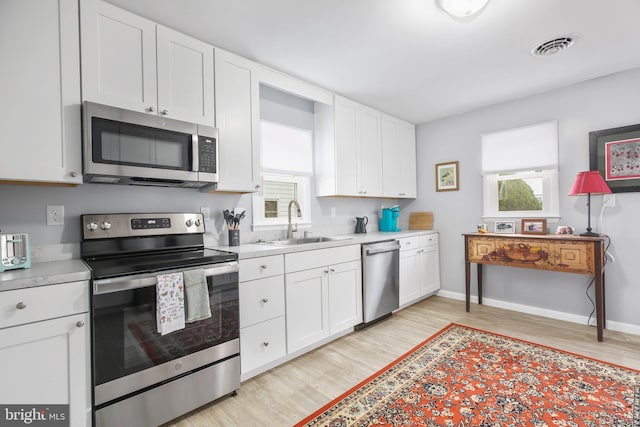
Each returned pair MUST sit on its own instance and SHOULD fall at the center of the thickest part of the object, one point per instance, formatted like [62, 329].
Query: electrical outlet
[204, 210]
[333, 212]
[55, 215]
[609, 200]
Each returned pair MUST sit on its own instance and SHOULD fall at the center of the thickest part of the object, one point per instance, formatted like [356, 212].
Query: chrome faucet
[290, 229]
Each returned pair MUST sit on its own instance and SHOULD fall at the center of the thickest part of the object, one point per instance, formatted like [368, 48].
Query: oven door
[129, 354]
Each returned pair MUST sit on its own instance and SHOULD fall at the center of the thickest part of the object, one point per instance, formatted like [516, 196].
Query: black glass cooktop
[137, 263]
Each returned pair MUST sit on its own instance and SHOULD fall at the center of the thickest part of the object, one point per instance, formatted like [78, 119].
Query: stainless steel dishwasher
[380, 280]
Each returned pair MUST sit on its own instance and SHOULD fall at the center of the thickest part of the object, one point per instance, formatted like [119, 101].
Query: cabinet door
[370, 153]
[347, 132]
[48, 363]
[345, 296]
[391, 158]
[185, 77]
[429, 270]
[237, 98]
[407, 166]
[307, 297]
[118, 57]
[40, 87]
[410, 286]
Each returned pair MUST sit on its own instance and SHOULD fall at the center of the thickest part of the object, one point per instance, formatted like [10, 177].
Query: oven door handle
[116, 284]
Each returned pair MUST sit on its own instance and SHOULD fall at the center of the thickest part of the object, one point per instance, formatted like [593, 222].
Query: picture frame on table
[447, 176]
[505, 227]
[615, 153]
[533, 226]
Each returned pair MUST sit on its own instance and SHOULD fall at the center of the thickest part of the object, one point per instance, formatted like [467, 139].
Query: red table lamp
[589, 182]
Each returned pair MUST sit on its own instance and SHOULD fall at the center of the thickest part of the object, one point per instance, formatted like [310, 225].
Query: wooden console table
[564, 253]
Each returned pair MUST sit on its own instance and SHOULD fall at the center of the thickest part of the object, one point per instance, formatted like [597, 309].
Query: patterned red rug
[467, 377]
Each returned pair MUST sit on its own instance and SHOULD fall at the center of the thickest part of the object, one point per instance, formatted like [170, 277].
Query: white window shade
[527, 148]
[285, 148]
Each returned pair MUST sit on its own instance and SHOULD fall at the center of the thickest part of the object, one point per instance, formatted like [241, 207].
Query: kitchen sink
[307, 240]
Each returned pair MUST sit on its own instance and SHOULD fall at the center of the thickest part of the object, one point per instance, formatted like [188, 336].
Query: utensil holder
[234, 237]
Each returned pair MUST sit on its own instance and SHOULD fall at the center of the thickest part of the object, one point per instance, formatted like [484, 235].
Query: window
[287, 163]
[520, 172]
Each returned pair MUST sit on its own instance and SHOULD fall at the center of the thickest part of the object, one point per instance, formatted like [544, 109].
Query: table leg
[467, 284]
[599, 283]
[479, 283]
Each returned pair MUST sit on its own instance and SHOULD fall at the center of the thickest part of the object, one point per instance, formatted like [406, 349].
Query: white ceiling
[407, 57]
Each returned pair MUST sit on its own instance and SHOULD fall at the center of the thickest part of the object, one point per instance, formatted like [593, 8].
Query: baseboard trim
[553, 314]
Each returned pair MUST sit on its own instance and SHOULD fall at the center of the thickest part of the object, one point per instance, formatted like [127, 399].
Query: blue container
[389, 219]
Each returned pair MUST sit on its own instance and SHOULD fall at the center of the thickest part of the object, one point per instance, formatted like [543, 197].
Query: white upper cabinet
[237, 101]
[185, 77]
[398, 158]
[40, 86]
[132, 63]
[348, 150]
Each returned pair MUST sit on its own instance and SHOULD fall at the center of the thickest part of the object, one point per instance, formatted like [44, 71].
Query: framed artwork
[505, 226]
[533, 226]
[616, 154]
[447, 176]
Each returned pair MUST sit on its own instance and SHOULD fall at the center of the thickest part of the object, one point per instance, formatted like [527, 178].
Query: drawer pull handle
[21, 305]
[265, 300]
[326, 271]
[80, 323]
[263, 266]
[332, 270]
[266, 344]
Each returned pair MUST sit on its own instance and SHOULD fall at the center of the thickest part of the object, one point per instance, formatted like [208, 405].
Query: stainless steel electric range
[140, 377]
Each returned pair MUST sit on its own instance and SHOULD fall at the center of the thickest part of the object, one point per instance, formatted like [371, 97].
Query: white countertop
[44, 273]
[254, 250]
[72, 270]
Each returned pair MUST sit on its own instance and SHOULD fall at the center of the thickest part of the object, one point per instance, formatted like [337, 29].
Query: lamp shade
[589, 182]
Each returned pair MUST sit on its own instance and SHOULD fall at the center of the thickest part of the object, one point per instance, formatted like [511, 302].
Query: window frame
[304, 199]
[550, 197]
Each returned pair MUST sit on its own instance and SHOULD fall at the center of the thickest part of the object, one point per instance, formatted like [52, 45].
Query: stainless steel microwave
[128, 147]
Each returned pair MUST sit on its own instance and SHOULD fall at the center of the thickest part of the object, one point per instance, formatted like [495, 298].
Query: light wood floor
[290, 392]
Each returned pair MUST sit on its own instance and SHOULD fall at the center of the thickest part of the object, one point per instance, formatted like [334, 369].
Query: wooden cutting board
[421, 221]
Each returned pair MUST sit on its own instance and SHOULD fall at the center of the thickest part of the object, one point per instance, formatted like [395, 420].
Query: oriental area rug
[467, 377]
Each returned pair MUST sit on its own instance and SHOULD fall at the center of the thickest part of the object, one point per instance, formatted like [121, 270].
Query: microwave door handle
[195, 153]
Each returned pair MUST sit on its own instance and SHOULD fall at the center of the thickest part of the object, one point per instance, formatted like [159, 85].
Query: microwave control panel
[207, 154]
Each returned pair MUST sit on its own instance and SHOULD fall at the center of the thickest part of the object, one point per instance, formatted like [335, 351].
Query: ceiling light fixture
[462, 8]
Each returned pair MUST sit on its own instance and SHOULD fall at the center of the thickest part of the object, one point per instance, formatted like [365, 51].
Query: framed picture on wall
[616, 154]
[447, 176]
[533, 226]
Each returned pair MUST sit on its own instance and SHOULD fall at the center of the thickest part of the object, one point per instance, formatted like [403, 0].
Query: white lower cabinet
[262, 314]
[45, 359]
[323, 295]
[419, 267]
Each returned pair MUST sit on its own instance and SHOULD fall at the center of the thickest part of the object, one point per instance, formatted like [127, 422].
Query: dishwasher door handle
[370, 251]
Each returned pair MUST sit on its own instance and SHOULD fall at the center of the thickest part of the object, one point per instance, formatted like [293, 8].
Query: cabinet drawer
[574, 257]
[307, 260]
[256, 268]
[407, 243]
[262, 343]
[261, 300]
[22, 306]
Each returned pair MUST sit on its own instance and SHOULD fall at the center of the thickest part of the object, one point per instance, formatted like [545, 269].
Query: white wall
[602, 103]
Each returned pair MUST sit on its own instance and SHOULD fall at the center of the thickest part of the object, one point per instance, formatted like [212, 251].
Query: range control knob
[92, 226]
[189, 222]
[198, 223]
[106, 225]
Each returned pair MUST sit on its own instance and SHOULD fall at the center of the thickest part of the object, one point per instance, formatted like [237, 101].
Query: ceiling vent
[553, 46]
